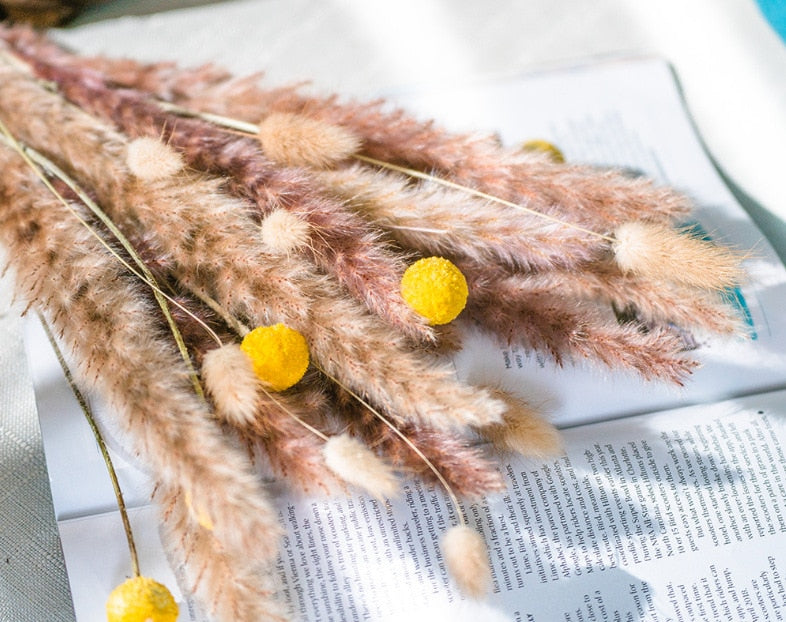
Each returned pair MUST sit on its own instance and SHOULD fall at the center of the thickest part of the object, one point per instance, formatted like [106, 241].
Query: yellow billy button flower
[544, 146]
[279, 355]
[435, 288]
[141, 599]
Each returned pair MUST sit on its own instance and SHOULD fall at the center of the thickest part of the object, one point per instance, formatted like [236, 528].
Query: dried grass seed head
[230, 380]
[282, 232]
[467, 560]
[356, 464]
[295, 140]
[660, 252]
[149, 159]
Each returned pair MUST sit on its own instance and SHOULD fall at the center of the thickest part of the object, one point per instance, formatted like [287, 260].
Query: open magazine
[668, 504]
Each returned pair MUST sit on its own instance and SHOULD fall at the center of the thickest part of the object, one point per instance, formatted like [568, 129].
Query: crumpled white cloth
[33, 581]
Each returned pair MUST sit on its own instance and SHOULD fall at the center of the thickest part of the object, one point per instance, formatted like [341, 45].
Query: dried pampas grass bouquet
[244, 272]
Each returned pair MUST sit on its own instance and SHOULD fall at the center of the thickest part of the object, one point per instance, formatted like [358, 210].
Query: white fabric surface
[732, 67]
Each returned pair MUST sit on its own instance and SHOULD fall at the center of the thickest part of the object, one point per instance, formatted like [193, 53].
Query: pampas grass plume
[356, 464]
[294, 140]
[230, 379]
[283, 232]
[467, 560]
[149, 159]
[660, 252]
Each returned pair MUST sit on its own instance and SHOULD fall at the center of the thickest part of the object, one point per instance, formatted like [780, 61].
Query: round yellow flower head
[141, 599]
[278, 353]
[544, 146]
[435, 288]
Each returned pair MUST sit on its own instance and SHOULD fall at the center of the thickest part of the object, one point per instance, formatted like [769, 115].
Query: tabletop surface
[729, 60]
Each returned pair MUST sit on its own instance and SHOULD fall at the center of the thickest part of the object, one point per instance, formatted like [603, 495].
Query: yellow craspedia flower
[435, 288]
[278, 353]
[141, 599]
[544, 146]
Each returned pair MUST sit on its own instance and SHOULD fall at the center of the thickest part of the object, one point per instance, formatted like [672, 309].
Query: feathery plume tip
[229, 377]
[467, 560]
[149, 159]
[356, 464]
[295, 140]
[283, 232]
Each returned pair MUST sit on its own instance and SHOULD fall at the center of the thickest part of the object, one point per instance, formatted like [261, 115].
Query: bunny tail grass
[295, 140]
[355, 463]
[467, 560]
[523, 430]
[230, 380]
[149, 159]
[663, 253]
[284, 233]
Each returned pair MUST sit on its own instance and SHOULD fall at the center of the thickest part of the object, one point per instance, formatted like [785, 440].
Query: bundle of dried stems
[120, 209]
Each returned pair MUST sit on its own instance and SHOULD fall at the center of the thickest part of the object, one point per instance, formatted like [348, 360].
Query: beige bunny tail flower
[467, 560]
[667, 254]
[229, 378]
[356, 464]
[523, 430]
[149, 159]
[295, 140]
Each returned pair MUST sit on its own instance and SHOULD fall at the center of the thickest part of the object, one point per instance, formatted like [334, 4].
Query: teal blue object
[775, 12]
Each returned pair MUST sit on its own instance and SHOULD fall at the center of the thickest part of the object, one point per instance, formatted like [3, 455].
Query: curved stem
[121, 506]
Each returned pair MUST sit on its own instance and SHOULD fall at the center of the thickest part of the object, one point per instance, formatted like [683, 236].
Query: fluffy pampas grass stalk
[227, 587]
[102, 316]
[438, 220]
[341, 243]
[217, 251]
[567, 329]
[652, 303]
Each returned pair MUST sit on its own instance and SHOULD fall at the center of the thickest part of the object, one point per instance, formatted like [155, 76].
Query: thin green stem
[85, 406]
[410, 444]
[411, 172]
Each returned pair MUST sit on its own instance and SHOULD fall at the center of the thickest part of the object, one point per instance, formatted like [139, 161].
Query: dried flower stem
[110, 467]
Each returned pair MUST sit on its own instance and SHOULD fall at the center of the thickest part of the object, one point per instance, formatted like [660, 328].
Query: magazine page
[677, 516]
[626, 114]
